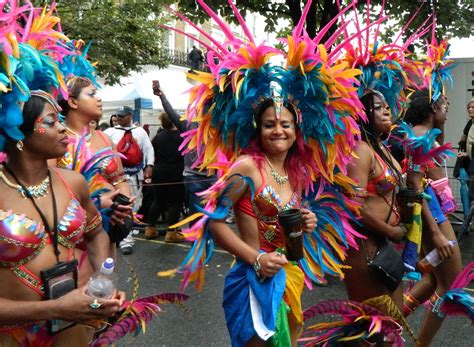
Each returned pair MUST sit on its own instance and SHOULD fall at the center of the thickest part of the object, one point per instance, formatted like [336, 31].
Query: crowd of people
[298, 153]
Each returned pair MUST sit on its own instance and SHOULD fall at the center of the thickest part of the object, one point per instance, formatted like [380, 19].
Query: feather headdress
[437, 66]
[29, 54]
[225, 100]
[323, 94]
[387, 68]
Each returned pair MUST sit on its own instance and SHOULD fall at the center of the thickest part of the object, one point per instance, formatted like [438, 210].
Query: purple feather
[135, 315]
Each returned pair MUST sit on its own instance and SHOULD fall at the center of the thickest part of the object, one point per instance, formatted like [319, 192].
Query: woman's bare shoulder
[103, 137]
[245, 165]
[362, 150]
[73, 179]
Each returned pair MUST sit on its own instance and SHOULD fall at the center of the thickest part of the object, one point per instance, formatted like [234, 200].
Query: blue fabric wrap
[434, 206]
[410, 255]
[236, 301]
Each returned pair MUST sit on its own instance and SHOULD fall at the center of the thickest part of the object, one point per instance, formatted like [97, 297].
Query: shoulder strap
[129, 130]
[68, 188]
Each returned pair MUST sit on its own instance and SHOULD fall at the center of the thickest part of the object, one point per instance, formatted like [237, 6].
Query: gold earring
[19, 145]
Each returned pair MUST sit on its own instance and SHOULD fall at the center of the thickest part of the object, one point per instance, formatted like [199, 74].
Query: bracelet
[257, 266]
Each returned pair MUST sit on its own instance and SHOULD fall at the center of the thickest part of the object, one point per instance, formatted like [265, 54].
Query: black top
[464, 162]
[167, 155]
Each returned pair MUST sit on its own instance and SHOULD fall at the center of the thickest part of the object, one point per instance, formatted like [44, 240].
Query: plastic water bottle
[103, 283]
[432, 260]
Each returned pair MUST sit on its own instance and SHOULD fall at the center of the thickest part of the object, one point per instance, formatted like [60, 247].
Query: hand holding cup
[291, 224]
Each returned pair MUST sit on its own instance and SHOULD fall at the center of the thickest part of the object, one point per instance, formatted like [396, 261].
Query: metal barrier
[458, 216]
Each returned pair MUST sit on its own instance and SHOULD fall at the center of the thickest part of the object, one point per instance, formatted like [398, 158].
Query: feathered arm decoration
[325, 248]
[359, 321]
[89, 164]
[458, 300]
[423, 149]
[217, 207]
[135, 317]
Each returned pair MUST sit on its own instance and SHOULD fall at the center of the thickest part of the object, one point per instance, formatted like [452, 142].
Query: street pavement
[202, 322]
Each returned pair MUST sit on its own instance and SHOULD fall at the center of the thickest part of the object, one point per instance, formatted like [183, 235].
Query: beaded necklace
[279, 179]
[36, 191]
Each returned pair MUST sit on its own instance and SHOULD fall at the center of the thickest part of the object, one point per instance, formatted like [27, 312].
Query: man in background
[135, 145]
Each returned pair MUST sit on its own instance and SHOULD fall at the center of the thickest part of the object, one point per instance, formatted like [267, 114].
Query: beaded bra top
[385, 183]
[265, 208]
[22, 238]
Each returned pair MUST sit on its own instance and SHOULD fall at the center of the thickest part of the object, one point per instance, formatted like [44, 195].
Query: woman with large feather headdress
[47, 219]
[272, 133]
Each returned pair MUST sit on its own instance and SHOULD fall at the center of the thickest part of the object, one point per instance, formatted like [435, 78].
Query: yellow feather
[167, 273]
[187, 220]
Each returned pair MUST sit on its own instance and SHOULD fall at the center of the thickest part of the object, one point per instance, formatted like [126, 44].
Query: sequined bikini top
[384, 183]
[265, 207]
[22, 238]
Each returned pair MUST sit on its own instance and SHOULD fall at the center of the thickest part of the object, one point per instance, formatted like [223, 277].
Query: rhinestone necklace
[279, 179]
[36, 191]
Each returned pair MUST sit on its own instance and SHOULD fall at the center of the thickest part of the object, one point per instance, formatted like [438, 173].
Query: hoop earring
[19, 145]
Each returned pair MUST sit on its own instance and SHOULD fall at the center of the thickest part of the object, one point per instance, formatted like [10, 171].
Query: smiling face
[382, 115]
[277, 135]
[48, 139]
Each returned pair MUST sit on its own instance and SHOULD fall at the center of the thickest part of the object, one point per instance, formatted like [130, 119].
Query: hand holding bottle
[432, 260]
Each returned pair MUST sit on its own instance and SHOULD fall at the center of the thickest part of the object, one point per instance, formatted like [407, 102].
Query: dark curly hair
[420, 108]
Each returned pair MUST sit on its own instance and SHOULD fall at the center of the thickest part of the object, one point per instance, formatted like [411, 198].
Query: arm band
[94, 223]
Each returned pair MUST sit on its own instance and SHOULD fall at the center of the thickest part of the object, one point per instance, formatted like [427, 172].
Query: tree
[125, 34]
[454, 17]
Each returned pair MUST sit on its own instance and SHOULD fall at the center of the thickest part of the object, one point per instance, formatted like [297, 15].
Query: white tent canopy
[139, 86]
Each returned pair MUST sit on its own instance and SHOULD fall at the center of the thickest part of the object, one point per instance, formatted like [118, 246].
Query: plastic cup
[290, 222]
